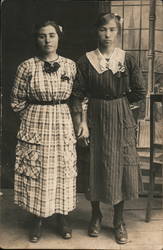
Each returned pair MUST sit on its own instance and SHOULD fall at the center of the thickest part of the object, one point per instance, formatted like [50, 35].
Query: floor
[142, 236]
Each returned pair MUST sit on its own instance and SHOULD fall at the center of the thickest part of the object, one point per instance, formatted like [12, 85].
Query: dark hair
[38, 26]
[41, 24]
[104, 18]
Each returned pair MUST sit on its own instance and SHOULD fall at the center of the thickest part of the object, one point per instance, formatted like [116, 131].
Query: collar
[100, 64]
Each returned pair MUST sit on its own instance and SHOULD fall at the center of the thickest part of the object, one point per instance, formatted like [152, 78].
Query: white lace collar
[99, 62]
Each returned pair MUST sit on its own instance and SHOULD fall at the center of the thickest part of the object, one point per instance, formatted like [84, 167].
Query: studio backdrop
[77, 19]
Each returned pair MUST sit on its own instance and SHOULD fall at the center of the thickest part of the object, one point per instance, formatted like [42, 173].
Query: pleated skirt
[114, 165]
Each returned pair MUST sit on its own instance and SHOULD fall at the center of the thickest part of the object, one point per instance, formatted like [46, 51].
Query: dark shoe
[64, 227]
[35, 233]
[121, 236]
[95, 226]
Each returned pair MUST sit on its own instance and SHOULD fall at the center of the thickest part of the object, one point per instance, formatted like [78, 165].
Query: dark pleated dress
[114, 165]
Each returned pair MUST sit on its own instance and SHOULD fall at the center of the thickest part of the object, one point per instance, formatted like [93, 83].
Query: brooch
[121, 67]
[121, 70]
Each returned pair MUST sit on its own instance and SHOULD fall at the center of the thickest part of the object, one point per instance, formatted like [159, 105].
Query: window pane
[117, 10]
[145, 16]
[116, 2]
[134, 2]
[158, 154]
[145, 1]
[159, 40]
[131, 39]
[159, 2]
[158, 132]
[132, 17]
[158, 64]
[144, 39]
[159, 16]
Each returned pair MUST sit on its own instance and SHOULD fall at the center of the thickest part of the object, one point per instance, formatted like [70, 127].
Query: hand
[83, 133]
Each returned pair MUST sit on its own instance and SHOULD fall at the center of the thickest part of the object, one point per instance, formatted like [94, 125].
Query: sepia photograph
[81, 124]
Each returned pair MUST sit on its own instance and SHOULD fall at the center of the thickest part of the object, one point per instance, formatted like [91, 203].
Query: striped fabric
[114, 164]
[45, 167]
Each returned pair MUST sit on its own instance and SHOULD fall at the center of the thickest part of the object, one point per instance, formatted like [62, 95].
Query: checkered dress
[45, 166]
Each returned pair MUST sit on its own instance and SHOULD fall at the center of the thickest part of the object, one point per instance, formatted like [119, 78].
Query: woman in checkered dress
[45, 167]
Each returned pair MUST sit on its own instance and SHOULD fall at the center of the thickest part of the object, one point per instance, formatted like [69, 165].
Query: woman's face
[47, 39]
[108, 34]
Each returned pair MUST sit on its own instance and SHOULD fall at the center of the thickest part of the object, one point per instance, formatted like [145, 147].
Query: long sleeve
[80, 88]
[79, 95]
[137, 89]
[19, 90]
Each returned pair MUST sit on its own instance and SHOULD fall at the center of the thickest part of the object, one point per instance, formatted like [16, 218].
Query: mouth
[108, 41]
[48, 46]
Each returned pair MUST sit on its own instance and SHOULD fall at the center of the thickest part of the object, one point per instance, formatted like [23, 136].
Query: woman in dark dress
[111, 80]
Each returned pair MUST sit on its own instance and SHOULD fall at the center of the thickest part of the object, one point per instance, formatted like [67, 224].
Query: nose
[47, 39]
[107, 34]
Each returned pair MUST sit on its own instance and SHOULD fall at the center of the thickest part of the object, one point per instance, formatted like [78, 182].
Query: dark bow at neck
[51, 67]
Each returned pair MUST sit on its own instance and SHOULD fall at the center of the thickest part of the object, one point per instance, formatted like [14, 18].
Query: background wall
[77, 18]
[18, 18]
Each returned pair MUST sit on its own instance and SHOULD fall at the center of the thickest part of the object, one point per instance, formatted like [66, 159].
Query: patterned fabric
[45, 167]
[114, 164]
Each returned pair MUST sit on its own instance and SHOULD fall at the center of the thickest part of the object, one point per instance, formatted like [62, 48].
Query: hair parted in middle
[41, 24]
[104, 18]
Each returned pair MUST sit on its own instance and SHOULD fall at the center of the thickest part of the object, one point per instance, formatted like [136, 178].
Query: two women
[46, 158]
[45, 168]
[110, 78]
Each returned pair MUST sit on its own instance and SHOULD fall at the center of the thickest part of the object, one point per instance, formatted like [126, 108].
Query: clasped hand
[83, 134]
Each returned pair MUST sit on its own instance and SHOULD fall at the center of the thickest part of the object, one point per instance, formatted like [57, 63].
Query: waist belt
[53, 102]
[108, 97]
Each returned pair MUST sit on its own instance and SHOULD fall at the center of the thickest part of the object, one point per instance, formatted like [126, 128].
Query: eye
[102, 29]
[52, 35]
[41, 36]
[113, 29]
